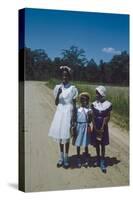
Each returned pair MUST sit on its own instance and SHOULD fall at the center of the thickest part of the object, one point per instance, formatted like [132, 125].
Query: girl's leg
[60, 162]
[66, 162]
[86, 151]
[67, 147]
[103, 151]
[98, 154]
[78, 152]
[102, 163]
[98, 149]
[61, 151]
[78, 157]
[61, 147]
[86, 157]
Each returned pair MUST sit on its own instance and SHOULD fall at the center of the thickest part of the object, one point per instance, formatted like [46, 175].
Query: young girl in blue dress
[82, 127]
[65, 100]
[101, 109]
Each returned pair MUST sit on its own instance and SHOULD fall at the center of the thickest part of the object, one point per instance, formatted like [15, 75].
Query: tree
[57, 62]
[38, 66]
[102, 76]
[29, 62]
[42, 64]
[120, 68]
[74, 58]
[92, 71]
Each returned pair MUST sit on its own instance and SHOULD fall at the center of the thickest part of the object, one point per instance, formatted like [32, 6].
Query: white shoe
[79, 163]
[66, 163]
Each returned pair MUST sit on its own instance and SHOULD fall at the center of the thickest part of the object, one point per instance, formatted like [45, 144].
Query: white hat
[102, 90]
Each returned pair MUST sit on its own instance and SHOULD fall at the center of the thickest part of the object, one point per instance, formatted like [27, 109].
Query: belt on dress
[82, 122]
[65, 104]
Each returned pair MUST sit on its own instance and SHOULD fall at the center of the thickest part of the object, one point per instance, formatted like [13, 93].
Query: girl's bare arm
[93, 122]
[57, 97]
[105, 121]
[74, 111]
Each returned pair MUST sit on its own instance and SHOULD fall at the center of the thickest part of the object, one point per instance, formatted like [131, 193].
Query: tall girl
[101, 109]
[65, 100]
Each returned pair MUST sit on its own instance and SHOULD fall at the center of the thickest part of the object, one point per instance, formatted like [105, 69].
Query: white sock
[61, 155]
[65, 156]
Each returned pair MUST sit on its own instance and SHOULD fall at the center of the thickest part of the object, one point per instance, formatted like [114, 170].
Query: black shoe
[60, 163]
[97, 163]
[86, 163]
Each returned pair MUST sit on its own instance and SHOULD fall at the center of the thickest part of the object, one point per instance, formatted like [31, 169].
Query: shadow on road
[110, 161]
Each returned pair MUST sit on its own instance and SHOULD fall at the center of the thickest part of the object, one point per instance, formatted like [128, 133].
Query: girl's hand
[101, 130]
[73, 124]
[57, 97]
[59, 91]
[97, 130]
[73, 131]
[99, 134]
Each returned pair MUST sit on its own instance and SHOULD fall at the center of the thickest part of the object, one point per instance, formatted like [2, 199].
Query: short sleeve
[74, 92]
[108, 106]
[90, 111]
[56, 90]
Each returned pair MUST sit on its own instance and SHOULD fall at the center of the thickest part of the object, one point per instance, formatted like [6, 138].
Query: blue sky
[100, 35]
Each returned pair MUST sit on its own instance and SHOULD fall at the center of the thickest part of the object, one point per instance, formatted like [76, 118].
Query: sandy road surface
[42, 153]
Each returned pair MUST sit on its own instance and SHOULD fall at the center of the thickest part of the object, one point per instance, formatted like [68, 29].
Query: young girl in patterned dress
[82, 120]
[101, 109]
[65, 99]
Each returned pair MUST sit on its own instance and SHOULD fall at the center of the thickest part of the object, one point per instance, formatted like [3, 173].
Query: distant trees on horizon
[38, 66]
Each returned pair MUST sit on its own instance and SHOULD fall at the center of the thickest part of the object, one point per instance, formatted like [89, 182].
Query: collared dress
[83, 137]
[60, 126]
[100, 111]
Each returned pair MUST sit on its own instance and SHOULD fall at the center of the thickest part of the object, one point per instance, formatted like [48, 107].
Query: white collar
[66, 86]
[102, 105]
[82, 108]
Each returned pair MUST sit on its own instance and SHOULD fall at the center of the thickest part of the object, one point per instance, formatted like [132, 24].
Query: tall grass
[119, 96]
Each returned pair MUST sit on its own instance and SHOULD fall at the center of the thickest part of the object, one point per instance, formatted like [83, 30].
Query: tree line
[38, 66]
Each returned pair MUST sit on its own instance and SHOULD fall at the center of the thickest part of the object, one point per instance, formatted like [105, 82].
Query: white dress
[60, 126]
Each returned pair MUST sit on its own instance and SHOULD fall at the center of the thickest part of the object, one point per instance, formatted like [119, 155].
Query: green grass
[119, 96]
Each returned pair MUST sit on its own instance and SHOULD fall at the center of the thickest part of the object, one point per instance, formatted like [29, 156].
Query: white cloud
[110, 50]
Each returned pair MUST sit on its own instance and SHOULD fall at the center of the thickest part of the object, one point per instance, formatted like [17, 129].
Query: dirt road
[42, 153]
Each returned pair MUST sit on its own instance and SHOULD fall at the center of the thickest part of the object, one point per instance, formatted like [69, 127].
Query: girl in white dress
[65, 99]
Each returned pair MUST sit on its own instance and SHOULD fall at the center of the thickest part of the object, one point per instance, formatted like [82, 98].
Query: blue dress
[83, 137]
[100, 111]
